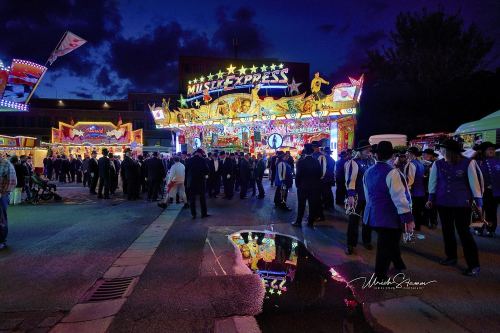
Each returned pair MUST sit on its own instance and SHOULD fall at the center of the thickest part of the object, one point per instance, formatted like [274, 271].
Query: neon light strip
[29, 63]
[273, 87]
[239, 87]
[270, 272]
[14, 105]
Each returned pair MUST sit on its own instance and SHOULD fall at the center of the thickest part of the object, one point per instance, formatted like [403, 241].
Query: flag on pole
[68, 43]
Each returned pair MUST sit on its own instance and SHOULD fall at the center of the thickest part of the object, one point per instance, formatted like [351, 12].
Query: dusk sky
[134, 45]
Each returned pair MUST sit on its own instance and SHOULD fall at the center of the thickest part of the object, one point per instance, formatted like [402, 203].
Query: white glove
[228, 176]
[92, 174]
[206, 176]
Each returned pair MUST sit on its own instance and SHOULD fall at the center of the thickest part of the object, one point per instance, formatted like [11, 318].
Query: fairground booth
[17, 84]
[261, 109]
[84, 137]
[23, 145]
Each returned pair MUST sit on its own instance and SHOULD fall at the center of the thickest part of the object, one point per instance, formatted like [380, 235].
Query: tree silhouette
[425, 80]
[430, 49]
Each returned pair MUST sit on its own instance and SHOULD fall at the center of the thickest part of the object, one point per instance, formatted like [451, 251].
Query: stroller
[43, 190]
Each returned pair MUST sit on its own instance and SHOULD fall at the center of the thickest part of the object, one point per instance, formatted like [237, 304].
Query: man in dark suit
[327, 164]
[196, 173]
[57, 166]
[49, 166]
[72, 168]
[104, 174]
[260, 168]
[244, 175]
[130, 173]
[307, 180]
[78, 167]
[155, 174]
[93, 172]
[227, 171]
[214, 176]
[64, 173]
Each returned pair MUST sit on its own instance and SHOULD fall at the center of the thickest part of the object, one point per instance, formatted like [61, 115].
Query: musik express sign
[272, 76]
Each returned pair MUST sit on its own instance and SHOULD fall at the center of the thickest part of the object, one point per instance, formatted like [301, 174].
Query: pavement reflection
[299, 289]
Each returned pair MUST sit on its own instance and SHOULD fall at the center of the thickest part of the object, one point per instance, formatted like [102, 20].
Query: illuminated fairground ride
[84, 137]
[214, 116]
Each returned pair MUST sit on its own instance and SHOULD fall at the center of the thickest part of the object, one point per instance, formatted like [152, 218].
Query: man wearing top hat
[354, 171]
[196, 173]
[104, 166]
[93, 171]
[456, 184]
[414, 173]
[283, 182]
[214, 176]
[387, 210]
[316, 146]
[327, 178]
[490, 167]
[227, 174]
[307, 181]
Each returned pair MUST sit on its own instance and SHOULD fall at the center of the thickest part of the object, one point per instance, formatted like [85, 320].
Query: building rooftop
[79, 104]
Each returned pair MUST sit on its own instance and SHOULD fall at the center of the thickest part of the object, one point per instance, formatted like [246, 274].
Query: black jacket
[308, 173]
[211, 166]
[21, 174]
[65, 165]
[93, 167]
[130, 170]
[57, 164]
[226, 168]
[155, 169]
[244, 170]
[104, 167]
[196, 170]
[260, 168]
[49, 164]
[73, 165]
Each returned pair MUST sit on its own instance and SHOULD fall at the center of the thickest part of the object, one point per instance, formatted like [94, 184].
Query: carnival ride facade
[217, 114]
[84, 137]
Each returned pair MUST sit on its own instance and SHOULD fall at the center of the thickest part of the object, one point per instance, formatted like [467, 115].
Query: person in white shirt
[175, 184]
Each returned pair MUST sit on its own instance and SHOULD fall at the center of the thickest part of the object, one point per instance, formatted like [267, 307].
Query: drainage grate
[111, 289]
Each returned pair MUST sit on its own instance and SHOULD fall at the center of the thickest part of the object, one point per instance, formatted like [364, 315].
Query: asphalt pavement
[195, 281]
[57, 250]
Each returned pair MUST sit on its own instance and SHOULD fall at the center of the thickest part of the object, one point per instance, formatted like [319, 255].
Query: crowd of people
[387, 191]
[394, 192]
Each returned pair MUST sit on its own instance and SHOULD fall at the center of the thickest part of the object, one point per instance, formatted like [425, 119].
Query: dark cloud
[328, 28]
[368, 40]
[102, 78]
[376, 5]
[239, 27]
[114, 89]
[31, 29]
[150, 61]
[81, 94]
[357, 54]
[112, 62]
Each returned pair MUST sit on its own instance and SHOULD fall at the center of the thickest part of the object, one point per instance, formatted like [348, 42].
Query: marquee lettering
[237, 80]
